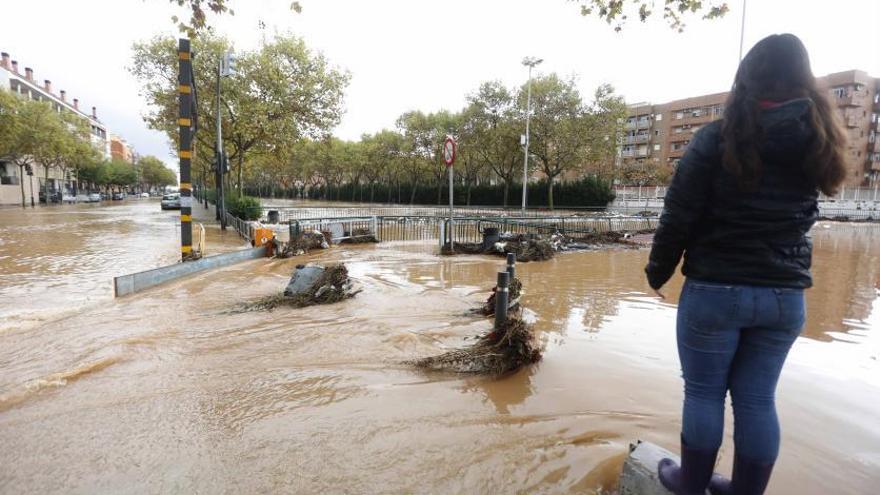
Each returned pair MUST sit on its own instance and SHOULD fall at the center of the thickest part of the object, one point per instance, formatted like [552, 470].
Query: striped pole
[184, 121]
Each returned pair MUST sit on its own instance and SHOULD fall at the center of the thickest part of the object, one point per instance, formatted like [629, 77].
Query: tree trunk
[371, 192]
[240, 168]
[412, 197]
[469, 184]
[46, 185]
[550, 191]
[21, 181]
[506, 187]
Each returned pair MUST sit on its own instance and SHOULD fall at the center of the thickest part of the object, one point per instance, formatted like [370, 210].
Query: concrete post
[511, 265]
[501, 296]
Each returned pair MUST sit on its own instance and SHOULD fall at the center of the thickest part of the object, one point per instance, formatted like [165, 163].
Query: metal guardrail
[288, 213]
[464, 229]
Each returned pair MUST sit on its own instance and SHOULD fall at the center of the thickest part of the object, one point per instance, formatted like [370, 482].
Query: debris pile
[497, 352]
[359, 236]
[534, 247]
[302, 244]
[309, 286]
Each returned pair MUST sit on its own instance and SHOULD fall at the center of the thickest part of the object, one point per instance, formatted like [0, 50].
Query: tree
[33, 132]
[617, 12]
[496, 130]
[566, 135]
[154, 173]
[279, 94]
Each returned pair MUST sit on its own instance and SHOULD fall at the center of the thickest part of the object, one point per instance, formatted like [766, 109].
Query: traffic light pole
[185, 126]
[219, 159]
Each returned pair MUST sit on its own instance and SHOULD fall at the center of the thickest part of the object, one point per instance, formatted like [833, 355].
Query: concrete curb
[639, 476]
[136, 282]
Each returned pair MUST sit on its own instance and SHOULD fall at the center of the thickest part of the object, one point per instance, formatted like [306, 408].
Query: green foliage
[243, 207]
[585, 192]
[198, 15]
[279, 94]
[154, 173]
[617, 12]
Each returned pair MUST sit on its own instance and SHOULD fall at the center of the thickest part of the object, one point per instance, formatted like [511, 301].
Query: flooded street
[166, 391]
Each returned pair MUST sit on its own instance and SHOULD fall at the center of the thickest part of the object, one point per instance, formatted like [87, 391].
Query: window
[656, 147]
[839, 91]
[657, 132]
[679, 115]
[658, 117]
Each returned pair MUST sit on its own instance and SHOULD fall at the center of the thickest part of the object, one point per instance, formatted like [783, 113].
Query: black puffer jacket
[736, 237]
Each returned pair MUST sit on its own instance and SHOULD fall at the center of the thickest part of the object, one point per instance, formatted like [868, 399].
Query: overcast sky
[428, 55]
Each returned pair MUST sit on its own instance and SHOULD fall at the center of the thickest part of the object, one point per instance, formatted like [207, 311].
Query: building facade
[659, 134]
[121, 150]
[26, 85]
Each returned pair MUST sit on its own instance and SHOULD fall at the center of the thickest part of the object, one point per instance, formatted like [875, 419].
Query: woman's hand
[660, 294]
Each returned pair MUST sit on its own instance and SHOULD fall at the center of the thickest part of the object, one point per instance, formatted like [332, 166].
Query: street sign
[449, 151]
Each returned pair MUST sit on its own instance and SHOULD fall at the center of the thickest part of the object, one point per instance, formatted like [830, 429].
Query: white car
[94, 198]
[145, 195]
[171, 201]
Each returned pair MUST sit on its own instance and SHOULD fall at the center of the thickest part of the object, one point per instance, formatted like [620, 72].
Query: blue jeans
[735, 337]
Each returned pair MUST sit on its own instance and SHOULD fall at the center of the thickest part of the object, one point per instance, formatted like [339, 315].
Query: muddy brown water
[166, 392]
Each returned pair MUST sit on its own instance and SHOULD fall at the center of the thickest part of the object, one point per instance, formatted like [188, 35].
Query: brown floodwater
[166, 391]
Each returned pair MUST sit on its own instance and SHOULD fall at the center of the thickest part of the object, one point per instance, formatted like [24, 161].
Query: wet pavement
[165, 391]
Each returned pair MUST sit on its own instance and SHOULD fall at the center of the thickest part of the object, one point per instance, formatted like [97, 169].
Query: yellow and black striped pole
[185, 120]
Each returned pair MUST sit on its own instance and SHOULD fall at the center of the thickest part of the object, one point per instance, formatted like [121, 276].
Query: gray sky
[416, 54]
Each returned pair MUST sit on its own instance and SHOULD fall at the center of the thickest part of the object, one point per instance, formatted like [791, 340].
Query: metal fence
[464, 229]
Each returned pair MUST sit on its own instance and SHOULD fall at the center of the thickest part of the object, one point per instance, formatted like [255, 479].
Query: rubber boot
[749, 478]
[693, 476]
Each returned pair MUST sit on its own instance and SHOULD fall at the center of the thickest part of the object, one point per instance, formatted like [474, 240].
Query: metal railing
[465, 229]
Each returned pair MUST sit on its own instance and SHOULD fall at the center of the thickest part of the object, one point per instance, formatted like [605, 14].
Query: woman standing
[740, 207]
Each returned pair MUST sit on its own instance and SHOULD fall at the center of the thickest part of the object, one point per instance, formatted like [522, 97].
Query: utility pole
[742, 31]
[185, 128]
[529, 62]
[225, 67]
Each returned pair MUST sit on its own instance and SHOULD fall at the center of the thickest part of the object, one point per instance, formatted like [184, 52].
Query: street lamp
[529, 62]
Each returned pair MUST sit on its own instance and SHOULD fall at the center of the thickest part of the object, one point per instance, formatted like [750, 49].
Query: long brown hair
[778, 69]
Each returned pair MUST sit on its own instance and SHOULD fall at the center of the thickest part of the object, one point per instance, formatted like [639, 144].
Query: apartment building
[659, 134]
[121, 150]
[27, 86]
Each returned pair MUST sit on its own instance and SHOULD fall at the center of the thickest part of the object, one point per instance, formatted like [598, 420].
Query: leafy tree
[154, 173]
[617, 12]
[495, 130]
[568, 135]
[279, 94]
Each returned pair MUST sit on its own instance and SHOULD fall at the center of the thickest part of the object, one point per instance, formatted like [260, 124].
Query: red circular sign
[449, 149]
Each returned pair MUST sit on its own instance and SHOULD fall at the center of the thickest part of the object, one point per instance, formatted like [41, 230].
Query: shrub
[244, 207]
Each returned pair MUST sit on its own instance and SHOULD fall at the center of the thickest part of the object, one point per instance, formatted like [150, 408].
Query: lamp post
[529, 62]
[742, 31]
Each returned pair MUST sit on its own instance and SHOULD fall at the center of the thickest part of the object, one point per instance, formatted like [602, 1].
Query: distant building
[659, 134]
[120, 150]
[26, 86]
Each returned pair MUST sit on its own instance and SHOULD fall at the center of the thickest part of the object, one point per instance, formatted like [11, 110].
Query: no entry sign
[449, 151]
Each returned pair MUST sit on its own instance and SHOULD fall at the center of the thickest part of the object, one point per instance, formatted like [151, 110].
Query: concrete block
[639, 476]
[303, 279]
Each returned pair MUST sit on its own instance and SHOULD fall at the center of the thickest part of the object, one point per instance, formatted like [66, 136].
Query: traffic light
[228, 66]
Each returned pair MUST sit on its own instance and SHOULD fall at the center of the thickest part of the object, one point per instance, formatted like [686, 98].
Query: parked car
[171, 201]
[118, 196]
[145, 195]
[94, 198]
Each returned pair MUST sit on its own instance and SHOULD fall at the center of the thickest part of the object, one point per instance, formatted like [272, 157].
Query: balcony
[852, 100]
[627, 154]
[641, 138]
[874, 147]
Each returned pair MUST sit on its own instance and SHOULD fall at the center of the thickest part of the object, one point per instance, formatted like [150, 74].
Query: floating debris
[309, 286]
[495, 353]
